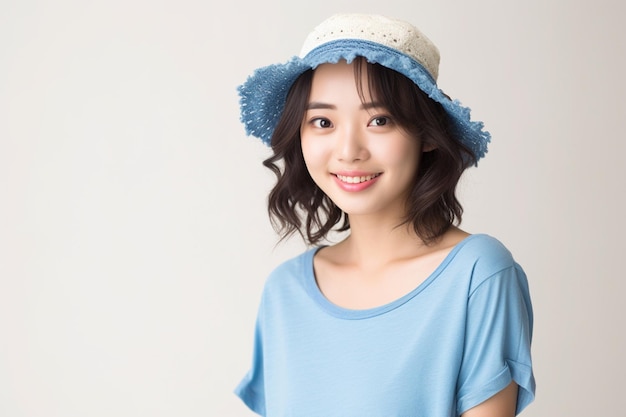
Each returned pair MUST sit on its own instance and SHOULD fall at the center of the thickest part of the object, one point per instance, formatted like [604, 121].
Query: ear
[427, 147]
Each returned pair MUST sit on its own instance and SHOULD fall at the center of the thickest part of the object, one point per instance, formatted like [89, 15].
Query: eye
[321, 123]
[379, 121]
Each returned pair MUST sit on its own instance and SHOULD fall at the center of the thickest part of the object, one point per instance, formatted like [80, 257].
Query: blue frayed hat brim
[263, 95]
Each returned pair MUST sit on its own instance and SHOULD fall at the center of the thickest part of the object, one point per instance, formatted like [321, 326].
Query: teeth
[356, 180]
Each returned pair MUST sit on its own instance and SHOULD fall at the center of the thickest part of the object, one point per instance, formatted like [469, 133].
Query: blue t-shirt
[453, 342]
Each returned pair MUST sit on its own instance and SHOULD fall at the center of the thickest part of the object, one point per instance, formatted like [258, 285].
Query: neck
[376, 242]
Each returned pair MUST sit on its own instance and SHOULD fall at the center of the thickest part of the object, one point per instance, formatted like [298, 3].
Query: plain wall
[134, 240]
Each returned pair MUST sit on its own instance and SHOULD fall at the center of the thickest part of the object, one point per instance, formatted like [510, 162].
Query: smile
[356, 180]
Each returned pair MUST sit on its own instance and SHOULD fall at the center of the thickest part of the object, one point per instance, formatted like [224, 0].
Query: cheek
[313, 154]
[403, 154]
[306, 152]
[309, 160]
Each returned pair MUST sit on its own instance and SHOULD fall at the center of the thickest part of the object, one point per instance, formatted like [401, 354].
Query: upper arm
[497, 342]
[502, 404]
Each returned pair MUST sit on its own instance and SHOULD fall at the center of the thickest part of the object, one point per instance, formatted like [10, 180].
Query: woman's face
[353, 149]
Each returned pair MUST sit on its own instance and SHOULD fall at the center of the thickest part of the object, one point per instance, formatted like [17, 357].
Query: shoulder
[290, 271]
[486, 250]
[487, 257]
[289, 287]
[294, 264]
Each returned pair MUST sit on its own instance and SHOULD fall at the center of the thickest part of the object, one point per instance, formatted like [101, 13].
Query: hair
[297, 204]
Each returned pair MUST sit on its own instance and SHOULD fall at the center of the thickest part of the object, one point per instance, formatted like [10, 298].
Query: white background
[134, 240]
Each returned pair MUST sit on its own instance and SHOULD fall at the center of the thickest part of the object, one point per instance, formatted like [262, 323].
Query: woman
[407, 315]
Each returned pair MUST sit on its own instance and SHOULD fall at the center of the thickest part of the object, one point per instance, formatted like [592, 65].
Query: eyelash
[385, 118]
[317, 122]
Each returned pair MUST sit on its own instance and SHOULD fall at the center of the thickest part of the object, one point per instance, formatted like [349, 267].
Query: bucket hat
[392, 43]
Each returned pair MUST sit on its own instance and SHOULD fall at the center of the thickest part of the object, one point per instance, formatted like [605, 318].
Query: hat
[392, 43]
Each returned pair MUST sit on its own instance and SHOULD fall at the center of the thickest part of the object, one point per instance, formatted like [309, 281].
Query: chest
[401, 363]
[354, 287]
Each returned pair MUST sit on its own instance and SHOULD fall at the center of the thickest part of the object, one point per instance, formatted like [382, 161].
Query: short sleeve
[251, 389]
[497, 341]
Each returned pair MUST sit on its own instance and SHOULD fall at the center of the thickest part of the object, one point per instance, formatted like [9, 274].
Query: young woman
[407, 315]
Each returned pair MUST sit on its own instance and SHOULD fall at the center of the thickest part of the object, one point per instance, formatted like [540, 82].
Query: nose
[350, 145]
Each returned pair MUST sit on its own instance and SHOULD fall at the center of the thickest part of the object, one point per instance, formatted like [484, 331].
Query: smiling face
[353, 148]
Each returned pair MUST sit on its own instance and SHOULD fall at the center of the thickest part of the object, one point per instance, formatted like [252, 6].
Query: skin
[500, 405]
[344, 139]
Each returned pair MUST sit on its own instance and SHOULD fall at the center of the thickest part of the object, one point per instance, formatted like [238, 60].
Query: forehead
[340, 80]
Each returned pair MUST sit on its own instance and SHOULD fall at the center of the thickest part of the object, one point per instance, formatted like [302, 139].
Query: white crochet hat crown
[393, 33]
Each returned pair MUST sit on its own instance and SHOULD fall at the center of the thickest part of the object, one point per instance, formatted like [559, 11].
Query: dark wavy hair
[297, 204]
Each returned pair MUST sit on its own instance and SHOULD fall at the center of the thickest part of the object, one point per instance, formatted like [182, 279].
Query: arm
[500, 405]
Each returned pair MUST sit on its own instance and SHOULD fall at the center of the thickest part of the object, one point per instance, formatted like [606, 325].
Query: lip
[354, 181]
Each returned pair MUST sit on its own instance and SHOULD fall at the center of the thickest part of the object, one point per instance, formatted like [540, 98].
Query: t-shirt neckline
[353, 314]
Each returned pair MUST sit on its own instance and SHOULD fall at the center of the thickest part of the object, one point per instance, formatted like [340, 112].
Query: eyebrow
[315, 105]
